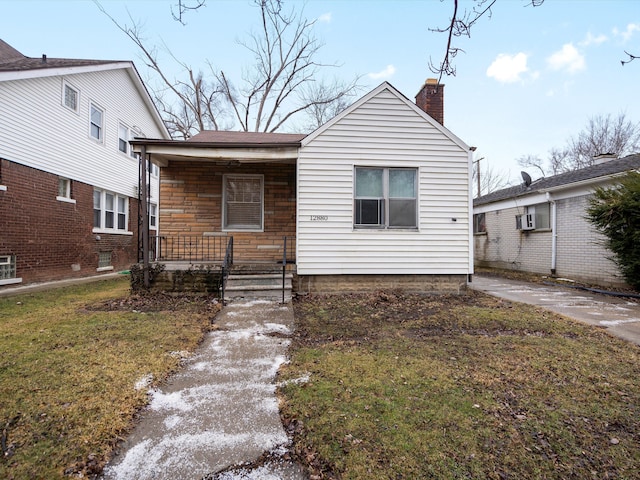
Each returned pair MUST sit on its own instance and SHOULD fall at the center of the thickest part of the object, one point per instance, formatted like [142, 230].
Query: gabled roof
[11, 60]
[400, 96]
[609, 169]
[16, 66]
[220, 137]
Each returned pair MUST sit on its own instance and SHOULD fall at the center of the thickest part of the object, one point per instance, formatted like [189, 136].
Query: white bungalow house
[541, 226]
[378, 197]
[69, 181]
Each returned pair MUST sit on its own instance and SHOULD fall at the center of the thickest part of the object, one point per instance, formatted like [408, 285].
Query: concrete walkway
[620, 316]
[221, 409]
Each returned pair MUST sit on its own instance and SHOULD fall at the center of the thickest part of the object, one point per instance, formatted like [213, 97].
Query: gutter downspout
[470, 194]
[554, 234]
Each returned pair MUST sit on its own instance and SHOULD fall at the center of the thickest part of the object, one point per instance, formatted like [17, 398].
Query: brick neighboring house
[68, 177]
[378, 197]
[541, 227]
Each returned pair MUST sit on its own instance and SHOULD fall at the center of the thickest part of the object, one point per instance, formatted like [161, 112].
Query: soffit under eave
[163, 155]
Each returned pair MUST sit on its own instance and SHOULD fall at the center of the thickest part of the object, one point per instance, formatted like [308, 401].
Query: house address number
[319, 218]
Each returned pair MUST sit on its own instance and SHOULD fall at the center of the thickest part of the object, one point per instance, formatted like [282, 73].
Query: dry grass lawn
[471, 387]
[69, 364]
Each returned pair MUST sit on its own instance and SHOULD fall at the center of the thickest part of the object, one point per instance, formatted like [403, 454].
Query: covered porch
[227, 202]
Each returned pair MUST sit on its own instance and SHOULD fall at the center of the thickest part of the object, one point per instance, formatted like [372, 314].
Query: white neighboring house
[68, 176]
[540, 227]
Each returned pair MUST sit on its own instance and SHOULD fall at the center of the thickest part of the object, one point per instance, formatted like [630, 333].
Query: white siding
[383, 132]
[37, 130]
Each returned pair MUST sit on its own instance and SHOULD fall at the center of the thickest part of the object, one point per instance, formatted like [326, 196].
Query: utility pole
[478, 174]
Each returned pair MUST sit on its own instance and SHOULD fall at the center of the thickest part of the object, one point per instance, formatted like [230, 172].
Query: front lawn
[390, 386]
[75, 364]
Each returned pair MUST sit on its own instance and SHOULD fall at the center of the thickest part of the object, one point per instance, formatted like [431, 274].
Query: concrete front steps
[263, 286]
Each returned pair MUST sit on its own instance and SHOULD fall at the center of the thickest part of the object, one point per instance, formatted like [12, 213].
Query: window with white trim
[7, 267]
[70, 97]
[242, 202]
[110, 211]
[124, 135]
[386, 198]
[153, 215]
[96, 122]
[64, 188]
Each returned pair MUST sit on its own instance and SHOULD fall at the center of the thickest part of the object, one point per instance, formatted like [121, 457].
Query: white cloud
[628, 33]
[591, 39]
[325, 17]
[508, 68]
[386, 73]
[568, 58]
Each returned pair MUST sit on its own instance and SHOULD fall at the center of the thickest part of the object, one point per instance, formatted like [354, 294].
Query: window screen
[385, 197]
[243, 196]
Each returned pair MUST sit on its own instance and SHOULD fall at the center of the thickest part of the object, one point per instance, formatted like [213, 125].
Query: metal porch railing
[188, 248]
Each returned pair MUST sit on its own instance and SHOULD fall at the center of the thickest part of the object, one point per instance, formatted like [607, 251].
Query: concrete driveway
[620, 316]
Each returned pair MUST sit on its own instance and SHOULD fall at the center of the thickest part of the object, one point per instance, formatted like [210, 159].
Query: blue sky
[529, 77]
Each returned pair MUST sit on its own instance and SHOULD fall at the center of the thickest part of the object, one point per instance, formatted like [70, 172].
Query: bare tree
[532, 161]
[631, 58]
[320, 113]
[188, 105]
[460, 25]
[184, 6]
[603, 134]
[490, 179]
[283, 82]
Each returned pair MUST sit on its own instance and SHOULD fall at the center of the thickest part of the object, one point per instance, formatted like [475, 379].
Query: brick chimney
[431, 99]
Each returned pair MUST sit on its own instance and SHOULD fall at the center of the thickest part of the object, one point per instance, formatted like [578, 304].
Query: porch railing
[291, 242]
[226, 267]
[188, 248]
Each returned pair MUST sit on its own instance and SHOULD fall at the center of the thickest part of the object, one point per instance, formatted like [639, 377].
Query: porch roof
[223, 147]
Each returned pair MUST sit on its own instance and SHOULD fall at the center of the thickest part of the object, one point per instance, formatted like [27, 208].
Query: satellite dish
[527, 178]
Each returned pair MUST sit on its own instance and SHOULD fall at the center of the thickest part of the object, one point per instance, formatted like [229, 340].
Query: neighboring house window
[479, 225]
[153, 168]
[123, 138]
[7, 269]
[242, 202]
[153, 215]
[64, 190]
[124, 135]
[96, 119]
[386, 198]
[104, 261]
[536, 217]
[110, 211]
[70, 97]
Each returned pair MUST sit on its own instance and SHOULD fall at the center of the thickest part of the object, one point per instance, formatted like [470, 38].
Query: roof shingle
[611, 167]
[246, 138]
[11, 60]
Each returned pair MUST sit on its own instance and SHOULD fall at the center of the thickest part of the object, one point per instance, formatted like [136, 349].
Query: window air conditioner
[526, 221]
[530, 221]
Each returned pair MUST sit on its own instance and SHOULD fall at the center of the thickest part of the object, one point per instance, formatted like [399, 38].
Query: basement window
[104, 261]
[8, 270]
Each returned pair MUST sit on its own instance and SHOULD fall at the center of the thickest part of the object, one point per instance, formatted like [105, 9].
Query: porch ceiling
[162, 152]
